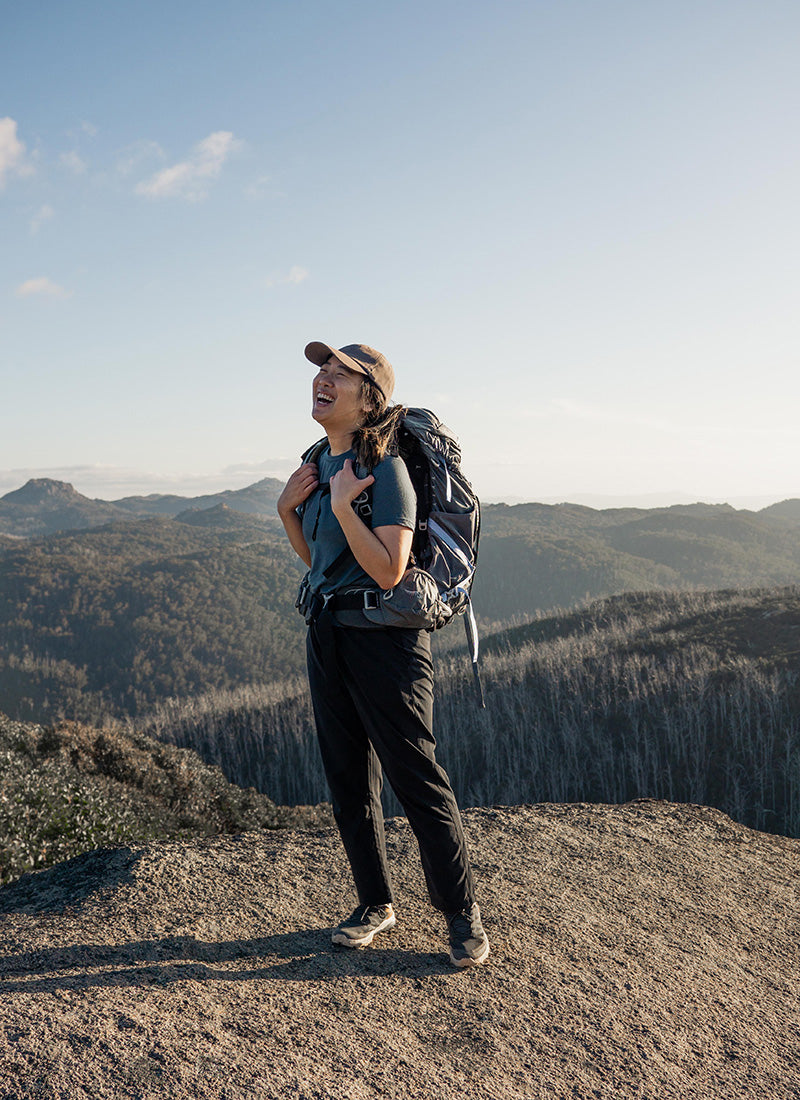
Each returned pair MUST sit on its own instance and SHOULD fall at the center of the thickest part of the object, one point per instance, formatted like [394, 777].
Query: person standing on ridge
[372, 686]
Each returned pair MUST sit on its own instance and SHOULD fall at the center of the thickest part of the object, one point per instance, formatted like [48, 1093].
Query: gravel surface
[648, 950]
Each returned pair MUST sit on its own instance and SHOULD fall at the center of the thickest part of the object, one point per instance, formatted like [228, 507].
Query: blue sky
[572, 226]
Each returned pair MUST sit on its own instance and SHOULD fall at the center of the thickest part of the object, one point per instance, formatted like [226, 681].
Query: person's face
[336, 397]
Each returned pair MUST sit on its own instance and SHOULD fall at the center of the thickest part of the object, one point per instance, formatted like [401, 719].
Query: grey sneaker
[362, 925]
[469, 944]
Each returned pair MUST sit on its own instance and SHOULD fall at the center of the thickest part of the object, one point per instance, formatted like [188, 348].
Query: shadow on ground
[69, 884]
[296, 956]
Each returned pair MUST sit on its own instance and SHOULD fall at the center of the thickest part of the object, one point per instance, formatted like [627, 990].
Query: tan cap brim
[318, 354]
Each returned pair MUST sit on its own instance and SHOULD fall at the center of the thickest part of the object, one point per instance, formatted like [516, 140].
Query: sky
[572, 226]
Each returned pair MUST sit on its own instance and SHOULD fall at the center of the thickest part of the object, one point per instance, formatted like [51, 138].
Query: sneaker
[469, 944]
[360, 928]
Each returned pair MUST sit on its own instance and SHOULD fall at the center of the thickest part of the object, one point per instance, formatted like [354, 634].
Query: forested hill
[536, 556]
[113, 619]
[110, 620]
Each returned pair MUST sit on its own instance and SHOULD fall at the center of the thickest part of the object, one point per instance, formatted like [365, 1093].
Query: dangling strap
[471, 628]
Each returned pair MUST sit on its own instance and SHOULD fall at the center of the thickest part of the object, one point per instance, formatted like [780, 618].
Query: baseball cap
[360, 358]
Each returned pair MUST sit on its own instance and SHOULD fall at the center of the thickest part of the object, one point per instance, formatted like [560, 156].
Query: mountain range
[126, 609]
[43, 506]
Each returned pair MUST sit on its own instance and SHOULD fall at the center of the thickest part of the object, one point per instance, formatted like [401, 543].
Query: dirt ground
[647, 950]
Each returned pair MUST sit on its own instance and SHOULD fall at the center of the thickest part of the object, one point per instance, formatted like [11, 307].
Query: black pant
[372, 692]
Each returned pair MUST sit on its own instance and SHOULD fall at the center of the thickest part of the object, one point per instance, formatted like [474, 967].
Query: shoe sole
[474, 960]
[363, 941]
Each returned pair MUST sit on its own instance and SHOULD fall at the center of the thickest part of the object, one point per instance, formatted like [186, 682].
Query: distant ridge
[45, 506]
[788, 510]
[224, 517]
[260, 498]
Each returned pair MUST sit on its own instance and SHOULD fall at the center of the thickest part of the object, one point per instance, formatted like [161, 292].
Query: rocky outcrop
[645, 950]
[43, 506]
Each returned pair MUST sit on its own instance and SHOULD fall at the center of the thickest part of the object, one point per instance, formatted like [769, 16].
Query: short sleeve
[394, 502]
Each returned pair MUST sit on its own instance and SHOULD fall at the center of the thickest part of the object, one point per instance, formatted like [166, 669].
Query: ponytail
[377, 435]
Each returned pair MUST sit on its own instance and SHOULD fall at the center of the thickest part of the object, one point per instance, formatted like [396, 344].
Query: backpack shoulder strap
[314, 451]
[312, 455]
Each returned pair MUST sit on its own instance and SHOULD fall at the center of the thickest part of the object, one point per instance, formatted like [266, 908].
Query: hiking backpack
[445, 543]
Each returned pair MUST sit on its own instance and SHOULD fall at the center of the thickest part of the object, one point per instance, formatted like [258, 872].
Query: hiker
[372, 685]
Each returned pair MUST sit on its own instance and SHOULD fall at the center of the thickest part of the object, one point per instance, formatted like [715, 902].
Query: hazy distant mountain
[505, 519]
[156, 504]
[788, 511]
[257, 499]
[44, 506]
[224, 517]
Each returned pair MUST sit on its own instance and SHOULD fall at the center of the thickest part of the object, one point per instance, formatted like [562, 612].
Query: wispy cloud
[259, 187]
[135, 157]
[84, 129]
[42, 215]
[294, 276]
[13, 155]
[189, 179]
[41, 286]
[74, 162]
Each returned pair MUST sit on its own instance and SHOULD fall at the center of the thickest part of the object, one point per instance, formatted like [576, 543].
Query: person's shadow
[304, 955]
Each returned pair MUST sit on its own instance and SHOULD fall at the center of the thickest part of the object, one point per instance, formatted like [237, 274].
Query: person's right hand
[300, 485]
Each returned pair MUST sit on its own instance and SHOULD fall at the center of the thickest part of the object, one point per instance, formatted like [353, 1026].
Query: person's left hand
[345, 487]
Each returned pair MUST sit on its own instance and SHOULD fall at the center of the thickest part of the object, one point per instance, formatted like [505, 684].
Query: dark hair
[376, 436]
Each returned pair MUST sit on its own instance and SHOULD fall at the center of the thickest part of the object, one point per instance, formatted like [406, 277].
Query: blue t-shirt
[393, 503]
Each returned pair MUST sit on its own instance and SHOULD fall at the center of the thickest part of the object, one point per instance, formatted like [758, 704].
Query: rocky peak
[44, 490]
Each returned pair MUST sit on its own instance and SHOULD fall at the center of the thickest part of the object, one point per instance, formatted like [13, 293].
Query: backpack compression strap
[471, 629]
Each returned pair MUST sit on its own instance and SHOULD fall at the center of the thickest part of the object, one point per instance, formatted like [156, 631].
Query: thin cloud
[41, 286]
[294, 277]
[260, 187]
[42, 215]
[74, 162]
[13, 155]
[84, 130]
[134, 157]
[189, 179]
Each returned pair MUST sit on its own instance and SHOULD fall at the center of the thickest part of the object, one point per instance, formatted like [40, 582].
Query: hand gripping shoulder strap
[363, 503]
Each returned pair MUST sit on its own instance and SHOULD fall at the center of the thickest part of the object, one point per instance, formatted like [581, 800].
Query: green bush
[69, 789]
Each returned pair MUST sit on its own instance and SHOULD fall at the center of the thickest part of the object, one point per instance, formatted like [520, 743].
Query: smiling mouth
[324, 399]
